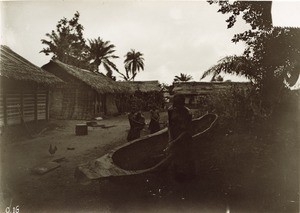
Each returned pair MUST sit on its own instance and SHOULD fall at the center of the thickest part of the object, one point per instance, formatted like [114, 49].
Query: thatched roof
[199, 88]
[143, 86]
[97, 81]
[15, 67]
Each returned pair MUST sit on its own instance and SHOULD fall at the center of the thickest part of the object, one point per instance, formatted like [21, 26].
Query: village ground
[237, 171]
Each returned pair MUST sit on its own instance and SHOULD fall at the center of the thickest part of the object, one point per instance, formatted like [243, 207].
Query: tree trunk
[267, 13]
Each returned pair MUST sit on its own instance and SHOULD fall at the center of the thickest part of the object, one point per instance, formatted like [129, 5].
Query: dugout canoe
[141, 155]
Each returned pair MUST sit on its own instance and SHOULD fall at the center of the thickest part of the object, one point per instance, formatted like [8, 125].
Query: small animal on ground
[52, 150]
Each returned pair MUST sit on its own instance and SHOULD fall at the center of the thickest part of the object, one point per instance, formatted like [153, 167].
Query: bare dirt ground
[34, 192]
[238, 171]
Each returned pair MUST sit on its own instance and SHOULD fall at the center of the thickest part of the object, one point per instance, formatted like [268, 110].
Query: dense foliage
[143, 101]
[66, 42]
[271, 59]
[242, 107]
[256, 13]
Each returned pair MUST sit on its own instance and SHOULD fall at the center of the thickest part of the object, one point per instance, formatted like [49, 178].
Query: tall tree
[257, 13]
[134, 62]
[66, 42]
[182, 78]
[271, 57]
[100, 53]
[272, 54]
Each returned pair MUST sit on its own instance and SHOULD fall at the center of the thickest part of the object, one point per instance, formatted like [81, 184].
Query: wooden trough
[81, 129]
[139, 156]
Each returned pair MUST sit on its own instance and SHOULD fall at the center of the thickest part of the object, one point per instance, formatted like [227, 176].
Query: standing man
[154, 121]
[137, 123]
[180, 145]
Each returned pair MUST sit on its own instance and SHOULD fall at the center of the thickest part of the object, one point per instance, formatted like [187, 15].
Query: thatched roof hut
[84, 95]
[24, 92]
[142, 95]
[197, 93]
[204, 88]
[15, 67]
[99, 82]
[143, 86]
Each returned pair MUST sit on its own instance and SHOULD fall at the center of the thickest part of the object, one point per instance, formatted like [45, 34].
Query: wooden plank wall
[13, 107]
[41, 105]
[18, 106]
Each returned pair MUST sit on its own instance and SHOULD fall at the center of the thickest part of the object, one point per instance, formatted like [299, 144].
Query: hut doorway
[98, 105]
[110, 106]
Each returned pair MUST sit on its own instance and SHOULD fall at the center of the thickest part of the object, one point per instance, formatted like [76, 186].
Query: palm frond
[111, 64]
[100, 51]
[230, 64]
[182, 78]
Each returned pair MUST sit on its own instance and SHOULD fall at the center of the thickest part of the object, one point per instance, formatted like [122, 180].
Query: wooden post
[35, 106]
[104, 103]
[94, 102]
[47, 104]
[76, 108]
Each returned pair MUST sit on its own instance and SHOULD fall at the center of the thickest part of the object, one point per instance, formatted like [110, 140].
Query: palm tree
[100, 53]
[134, 62]
[238, 65]
[182, 78]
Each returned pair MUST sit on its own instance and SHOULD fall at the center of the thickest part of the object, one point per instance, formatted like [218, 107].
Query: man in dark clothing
[180, 139]
[130, 118]
[154, 121]
[137, 123]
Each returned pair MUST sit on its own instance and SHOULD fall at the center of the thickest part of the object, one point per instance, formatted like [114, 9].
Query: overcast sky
[174, 36]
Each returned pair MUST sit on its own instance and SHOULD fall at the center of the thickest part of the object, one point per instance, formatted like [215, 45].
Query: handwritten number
[7, 210]
[14, 209]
